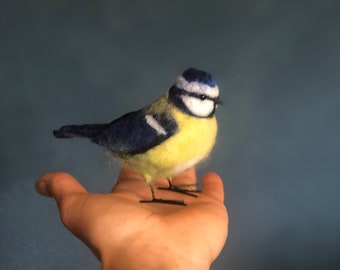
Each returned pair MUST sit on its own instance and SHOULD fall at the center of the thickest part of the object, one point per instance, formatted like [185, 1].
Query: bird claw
[175, 188]
[182, 191]
[155, 200]
[179, 189]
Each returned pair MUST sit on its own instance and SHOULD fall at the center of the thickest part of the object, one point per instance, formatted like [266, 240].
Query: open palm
[126, 234]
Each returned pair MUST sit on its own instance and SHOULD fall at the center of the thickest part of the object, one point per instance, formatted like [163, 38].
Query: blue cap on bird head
[198, 81]
[195, 75]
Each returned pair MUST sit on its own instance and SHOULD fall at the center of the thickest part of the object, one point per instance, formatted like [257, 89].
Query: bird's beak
[218, 101]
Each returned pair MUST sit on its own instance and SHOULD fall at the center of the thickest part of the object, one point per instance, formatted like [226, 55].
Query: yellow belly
[190, 145]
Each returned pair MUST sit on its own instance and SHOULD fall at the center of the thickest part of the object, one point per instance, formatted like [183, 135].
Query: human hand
[126, 234]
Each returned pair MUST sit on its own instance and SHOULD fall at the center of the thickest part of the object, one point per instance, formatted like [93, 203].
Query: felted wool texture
[190, 145]
[81, 131]
[164, 138]
[129, 134]
[188, 140]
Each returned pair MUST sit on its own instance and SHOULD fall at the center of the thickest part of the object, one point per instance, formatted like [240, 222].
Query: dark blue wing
[131, 133]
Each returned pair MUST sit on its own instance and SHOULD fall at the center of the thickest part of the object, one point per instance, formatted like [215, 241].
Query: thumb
[212, 186]
[58, 184]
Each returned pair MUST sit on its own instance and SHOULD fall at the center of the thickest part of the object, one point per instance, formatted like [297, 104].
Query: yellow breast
[190, 145]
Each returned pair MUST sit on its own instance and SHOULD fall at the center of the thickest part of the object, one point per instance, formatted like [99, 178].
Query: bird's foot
[187, 189]
[156, 200]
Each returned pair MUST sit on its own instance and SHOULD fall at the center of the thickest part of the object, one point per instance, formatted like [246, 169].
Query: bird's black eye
[203, 97]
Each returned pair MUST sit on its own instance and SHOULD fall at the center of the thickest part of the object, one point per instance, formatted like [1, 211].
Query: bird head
[195, 93]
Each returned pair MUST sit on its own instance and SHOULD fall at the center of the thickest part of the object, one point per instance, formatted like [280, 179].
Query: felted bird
[163, 139]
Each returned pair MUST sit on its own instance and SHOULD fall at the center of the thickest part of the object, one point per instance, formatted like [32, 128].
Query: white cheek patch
[201, 108]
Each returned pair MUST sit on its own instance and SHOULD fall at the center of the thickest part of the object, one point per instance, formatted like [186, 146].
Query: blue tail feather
[84, 131]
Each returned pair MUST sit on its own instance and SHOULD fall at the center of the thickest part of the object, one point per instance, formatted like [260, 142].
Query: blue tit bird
[163, 139]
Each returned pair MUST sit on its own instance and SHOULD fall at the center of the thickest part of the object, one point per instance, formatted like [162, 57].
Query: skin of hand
[126, 234]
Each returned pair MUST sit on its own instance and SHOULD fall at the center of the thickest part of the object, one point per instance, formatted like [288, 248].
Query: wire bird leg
[179, 188]
[156, 200]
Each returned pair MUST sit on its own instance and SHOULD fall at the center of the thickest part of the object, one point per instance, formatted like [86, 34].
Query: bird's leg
[156, 200]
[180, 189]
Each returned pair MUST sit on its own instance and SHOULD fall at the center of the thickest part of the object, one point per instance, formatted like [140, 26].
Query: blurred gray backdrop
[278, 67]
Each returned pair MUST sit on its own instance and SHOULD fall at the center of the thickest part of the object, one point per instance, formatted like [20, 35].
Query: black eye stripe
[175, 91]
[176, 96]
[200, 96]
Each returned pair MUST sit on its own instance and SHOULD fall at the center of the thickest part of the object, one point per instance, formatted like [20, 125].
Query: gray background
[277, 64]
